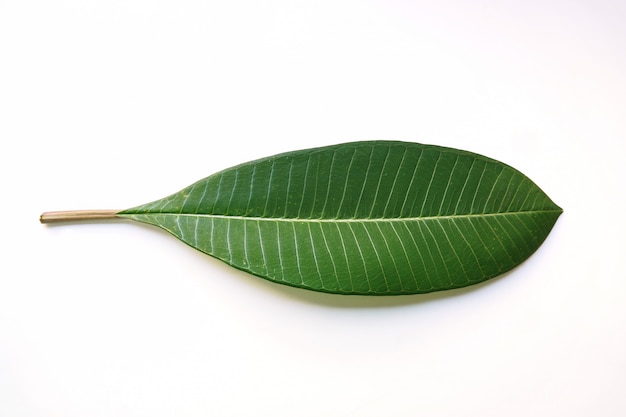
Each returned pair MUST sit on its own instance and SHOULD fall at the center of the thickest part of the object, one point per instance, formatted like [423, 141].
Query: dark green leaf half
[379, 218]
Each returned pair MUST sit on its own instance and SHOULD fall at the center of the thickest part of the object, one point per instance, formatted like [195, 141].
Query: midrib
[350, 220]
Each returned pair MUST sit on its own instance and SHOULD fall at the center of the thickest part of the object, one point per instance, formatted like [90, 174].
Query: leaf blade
[379, 218]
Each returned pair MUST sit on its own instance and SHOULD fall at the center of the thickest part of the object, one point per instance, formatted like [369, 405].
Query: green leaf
[376, 218]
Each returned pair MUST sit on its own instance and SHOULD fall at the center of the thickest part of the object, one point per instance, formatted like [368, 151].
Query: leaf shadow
[340, 301]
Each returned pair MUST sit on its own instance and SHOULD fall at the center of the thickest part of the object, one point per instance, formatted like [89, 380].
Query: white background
[110, 104]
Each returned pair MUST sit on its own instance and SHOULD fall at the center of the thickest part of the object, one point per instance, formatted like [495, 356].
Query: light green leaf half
[376, 218]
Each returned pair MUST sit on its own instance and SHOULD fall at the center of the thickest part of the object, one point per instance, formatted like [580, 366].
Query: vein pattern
[379, 218]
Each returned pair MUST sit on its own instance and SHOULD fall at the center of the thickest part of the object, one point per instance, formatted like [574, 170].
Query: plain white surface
[109, 104]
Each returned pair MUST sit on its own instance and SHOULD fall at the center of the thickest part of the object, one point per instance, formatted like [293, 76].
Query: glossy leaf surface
[379, 218]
